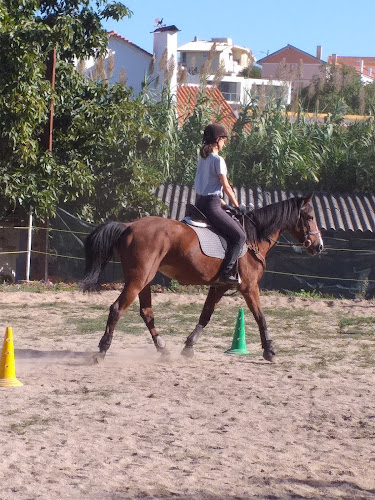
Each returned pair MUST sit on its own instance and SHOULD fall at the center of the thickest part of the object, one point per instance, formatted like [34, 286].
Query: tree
[30, 176]
[114, 138]
[251, 71]
[340, 83]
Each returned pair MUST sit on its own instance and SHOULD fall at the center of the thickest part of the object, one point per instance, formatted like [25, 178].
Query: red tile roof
[187, 96]
[355, 62]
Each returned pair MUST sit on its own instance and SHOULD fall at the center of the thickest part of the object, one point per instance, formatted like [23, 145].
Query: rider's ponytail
[206, 149]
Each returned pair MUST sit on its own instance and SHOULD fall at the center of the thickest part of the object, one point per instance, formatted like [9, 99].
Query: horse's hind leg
[213, 298]
[126, 297]
[147, 314]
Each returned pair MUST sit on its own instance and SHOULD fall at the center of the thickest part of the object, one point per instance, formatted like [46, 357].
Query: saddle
[212, 244]
[194, 217]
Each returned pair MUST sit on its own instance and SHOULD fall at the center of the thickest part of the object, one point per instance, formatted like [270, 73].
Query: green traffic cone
[239, 340]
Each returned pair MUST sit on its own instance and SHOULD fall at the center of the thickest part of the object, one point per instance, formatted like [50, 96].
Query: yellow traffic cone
[7, 365]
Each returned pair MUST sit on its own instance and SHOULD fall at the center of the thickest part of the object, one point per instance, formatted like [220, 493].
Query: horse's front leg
[252, 298]
[212, 299]
[147, 314]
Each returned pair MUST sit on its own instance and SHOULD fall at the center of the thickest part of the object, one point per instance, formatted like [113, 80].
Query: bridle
[305, 227]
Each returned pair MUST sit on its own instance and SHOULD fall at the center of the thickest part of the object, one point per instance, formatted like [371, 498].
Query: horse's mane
[261, 223]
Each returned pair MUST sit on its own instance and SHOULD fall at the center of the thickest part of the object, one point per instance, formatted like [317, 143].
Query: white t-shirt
[207, 175]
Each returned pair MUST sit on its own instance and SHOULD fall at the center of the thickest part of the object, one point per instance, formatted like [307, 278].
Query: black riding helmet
[212, 133]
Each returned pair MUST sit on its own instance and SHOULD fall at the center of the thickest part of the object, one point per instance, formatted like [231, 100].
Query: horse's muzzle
[314, 248]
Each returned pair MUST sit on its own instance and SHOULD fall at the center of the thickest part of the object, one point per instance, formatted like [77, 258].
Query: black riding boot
[230, 259]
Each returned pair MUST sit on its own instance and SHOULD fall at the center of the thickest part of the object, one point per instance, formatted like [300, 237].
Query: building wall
[196, 60]
[272, 71]
[232, 57]
[236, 89]
[165, 42]
[135, 61]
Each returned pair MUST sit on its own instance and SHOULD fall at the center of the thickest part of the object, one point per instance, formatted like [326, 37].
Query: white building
[123, 57]
[220, 60]
[232, 58]
[238, 90]
[126, 61]
[226, 62]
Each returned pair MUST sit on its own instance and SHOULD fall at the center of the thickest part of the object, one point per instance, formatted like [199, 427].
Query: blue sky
[339, 26]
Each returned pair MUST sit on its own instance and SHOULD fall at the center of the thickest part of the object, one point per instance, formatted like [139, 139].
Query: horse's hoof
[164, 352]
[98, 358]
[188, 352]
[159, 342]
[269, 356]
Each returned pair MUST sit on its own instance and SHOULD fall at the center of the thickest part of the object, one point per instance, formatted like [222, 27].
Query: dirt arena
[215, 427]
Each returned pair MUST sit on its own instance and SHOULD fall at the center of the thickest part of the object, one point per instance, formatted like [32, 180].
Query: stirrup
[229, 279]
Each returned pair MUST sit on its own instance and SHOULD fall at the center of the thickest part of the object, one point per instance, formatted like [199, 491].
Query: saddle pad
[211, 243]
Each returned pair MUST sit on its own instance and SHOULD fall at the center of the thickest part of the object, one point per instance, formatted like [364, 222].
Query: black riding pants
[231, 230]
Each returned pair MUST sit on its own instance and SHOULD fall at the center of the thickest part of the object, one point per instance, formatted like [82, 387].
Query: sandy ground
[215, 427]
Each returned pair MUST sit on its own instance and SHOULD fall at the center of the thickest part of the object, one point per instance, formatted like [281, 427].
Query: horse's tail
[99, 246]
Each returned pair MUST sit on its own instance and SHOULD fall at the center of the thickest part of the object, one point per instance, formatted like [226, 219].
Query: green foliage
[251, 71]
[189, 140]
[275, 152]
[312, 294]
[30, 176]
[188, 137]
[359, 325]
[340, 86]
[75, 26]
[279, 151]
[111, 138]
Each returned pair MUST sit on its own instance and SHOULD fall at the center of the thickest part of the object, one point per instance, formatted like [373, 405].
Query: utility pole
[50, 75]
[41, 243]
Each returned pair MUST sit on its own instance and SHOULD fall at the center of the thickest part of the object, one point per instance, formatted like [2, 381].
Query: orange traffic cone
[7, 364]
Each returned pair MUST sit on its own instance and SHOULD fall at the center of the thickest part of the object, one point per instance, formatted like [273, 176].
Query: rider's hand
[241, 210]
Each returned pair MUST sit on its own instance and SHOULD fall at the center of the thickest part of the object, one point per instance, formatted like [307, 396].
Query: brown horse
[172, 247]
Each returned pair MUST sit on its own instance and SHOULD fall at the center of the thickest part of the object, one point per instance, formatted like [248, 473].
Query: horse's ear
[306, 202]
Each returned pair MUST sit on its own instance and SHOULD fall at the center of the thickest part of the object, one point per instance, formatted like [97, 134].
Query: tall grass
[272, 149]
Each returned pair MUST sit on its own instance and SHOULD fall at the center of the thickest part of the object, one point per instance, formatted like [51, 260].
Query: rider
[210, 182]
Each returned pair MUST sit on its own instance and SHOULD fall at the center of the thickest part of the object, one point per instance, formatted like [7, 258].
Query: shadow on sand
[30, 354]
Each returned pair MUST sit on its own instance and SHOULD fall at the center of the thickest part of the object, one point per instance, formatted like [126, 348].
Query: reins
[252, 246]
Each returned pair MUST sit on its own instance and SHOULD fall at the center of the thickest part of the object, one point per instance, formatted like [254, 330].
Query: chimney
[361, 66]
[334, 59]
[319, 52]
[165, 47]
[195, 39]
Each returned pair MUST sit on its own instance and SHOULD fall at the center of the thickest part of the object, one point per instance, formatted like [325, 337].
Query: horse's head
[306, 231]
